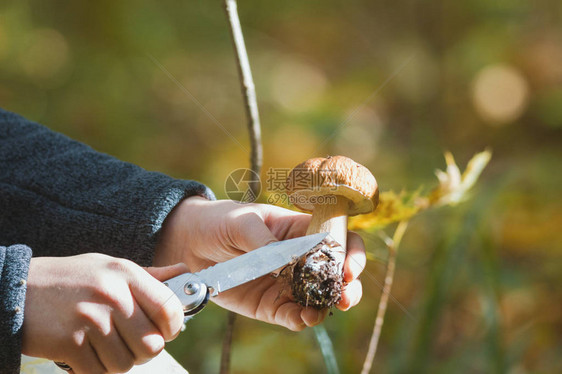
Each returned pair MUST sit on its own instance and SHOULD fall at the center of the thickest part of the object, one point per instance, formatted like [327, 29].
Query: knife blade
[259, 262]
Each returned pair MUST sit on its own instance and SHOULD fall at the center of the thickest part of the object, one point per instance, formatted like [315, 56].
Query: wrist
[174, 236]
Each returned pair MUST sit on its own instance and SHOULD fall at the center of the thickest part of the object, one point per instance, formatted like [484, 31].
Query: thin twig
[227, 343]
[254, 130]
[383, 302]
[248, 91]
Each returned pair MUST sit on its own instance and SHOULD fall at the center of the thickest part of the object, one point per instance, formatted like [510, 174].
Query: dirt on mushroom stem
[317, 280]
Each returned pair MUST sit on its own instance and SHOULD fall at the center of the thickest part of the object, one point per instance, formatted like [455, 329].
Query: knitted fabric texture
[14, 263]
[61, 197]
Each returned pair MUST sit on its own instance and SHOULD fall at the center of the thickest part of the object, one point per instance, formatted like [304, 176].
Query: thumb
[250, 232]
[166, 272]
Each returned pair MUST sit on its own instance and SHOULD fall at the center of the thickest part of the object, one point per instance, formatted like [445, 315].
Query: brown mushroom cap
[333, 175]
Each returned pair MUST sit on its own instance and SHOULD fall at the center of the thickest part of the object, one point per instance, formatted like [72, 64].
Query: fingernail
[180, 266]
[344, 304]
[154, 342]
[319, 318]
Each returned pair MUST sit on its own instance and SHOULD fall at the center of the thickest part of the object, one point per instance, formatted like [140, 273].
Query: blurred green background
[478, 288]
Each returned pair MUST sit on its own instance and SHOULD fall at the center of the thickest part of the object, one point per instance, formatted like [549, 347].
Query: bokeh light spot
[359, 138]
[500, 94]
[290, 145]
[297, 86]
[46, 55]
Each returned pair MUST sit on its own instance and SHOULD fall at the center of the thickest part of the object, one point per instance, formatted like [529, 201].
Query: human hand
[202, 233]
[97, 313]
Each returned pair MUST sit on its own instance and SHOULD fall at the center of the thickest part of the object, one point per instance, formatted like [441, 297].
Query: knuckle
[120, 265]
[124, 364]
[85, 313]
[94, 256]
[96, 323]
[111, 297]
[102, 284]
[108, 291]
[121, 304]
[263, 315]
[241, 220]
[77, 341]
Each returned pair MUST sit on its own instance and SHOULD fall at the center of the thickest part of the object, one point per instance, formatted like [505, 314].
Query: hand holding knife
[195, 289]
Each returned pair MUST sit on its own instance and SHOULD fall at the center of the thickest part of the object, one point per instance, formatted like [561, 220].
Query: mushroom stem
[332, 217]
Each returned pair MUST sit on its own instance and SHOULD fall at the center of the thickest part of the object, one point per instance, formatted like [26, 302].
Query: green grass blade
[327, 349]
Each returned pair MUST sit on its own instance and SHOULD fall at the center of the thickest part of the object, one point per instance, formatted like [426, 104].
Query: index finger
[355, 259]
[158, 302]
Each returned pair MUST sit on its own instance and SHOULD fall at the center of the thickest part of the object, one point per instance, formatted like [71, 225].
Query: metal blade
[259, 262]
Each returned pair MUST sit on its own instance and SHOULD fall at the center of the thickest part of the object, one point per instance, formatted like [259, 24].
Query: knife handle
[192, 292]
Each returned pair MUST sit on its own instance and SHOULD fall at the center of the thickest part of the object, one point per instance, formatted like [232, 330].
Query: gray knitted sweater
[59, 197]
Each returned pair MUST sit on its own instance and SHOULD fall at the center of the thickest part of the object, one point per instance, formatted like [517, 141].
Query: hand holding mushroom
[332, 188]
[201, 233]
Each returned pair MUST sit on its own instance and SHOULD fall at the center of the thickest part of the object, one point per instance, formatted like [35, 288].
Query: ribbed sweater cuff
[14, 265]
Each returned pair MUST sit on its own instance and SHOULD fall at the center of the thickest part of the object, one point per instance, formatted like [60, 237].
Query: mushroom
[332, 188]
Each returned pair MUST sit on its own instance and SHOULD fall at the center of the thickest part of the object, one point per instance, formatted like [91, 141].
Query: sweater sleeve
[60, 197]
[14, 264]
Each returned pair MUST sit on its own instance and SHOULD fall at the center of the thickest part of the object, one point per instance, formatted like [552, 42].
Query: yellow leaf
[392, 208]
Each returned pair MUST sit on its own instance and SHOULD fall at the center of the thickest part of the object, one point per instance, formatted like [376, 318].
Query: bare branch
[227, 343]
[248, 90]
[254, 130]
[392, 245]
